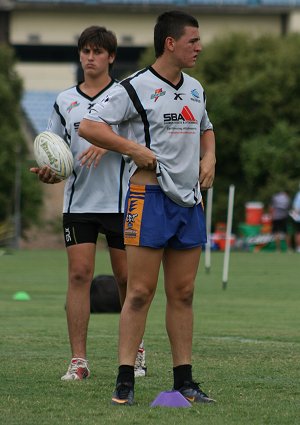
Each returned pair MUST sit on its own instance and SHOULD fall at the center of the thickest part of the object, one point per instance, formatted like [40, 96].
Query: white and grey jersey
[88, 190]
[168, 120]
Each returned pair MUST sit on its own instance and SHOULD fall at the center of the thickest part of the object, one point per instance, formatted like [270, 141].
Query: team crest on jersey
[72, 105]
[157, 94]
[195, 96]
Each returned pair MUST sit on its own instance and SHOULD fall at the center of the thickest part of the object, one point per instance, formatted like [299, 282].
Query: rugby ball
[51, 150]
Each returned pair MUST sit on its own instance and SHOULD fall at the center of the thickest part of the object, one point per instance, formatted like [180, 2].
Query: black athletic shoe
[123, 394]
[192, 392]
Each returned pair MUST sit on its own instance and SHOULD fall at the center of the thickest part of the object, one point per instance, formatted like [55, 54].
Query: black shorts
[279, 226]
[296, 225]
[84, 228]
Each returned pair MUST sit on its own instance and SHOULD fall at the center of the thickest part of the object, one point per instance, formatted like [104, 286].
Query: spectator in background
[295, 214]
[280, 205]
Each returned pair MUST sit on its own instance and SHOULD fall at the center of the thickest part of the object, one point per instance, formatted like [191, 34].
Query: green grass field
[246, 346]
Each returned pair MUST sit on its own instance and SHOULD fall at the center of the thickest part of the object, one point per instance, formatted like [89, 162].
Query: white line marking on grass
[249, 340]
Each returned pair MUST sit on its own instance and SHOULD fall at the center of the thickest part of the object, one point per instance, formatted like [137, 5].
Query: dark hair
[95, 36]
[171, 24]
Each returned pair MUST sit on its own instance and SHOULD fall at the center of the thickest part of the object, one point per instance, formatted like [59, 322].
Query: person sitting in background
[295, 214]
[280, 205]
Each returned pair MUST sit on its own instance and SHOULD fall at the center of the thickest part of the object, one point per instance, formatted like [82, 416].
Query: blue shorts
[152, 219]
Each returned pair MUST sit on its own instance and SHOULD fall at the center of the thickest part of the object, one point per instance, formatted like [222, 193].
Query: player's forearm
[208, 145]
[101, 135]
[208, 160]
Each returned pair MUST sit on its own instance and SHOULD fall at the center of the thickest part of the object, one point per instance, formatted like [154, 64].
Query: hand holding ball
[51, 150]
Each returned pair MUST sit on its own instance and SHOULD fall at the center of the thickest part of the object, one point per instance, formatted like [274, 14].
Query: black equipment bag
[104, 295]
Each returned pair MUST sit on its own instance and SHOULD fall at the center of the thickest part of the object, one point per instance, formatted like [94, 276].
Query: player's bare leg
[81, 270]
[81, 259]
[180, 269]
[119, 268]
[143, 268]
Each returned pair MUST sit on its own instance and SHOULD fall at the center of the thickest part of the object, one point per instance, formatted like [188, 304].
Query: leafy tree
[272, 161]
[254, 105]
[253, 92]
[13, 148]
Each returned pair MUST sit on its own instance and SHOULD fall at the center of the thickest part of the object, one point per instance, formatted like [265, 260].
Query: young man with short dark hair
[165, 131]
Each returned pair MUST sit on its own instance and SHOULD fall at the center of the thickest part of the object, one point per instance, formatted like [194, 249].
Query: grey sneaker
[140, 368]
[77, 371]
[192, 392]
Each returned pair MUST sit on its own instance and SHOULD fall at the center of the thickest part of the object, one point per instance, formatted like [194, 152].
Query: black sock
[181, 374]
[126, 374]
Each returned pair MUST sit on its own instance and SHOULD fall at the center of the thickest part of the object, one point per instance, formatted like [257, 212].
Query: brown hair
[95, 36]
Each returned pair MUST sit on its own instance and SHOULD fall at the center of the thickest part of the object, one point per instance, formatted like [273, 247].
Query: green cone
[21, 296]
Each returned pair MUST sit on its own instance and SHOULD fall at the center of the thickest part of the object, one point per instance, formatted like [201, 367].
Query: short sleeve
[114, 108]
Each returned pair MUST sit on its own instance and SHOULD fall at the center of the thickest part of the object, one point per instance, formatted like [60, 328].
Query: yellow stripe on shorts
[134, 214]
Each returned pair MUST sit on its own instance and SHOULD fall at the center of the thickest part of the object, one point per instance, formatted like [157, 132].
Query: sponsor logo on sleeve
[157, 94]
[72, 106]
[195, 96]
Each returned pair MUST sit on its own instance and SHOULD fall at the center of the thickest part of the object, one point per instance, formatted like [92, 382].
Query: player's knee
[139, 299]
[187, 298]
[183, 296]
[81, 276]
